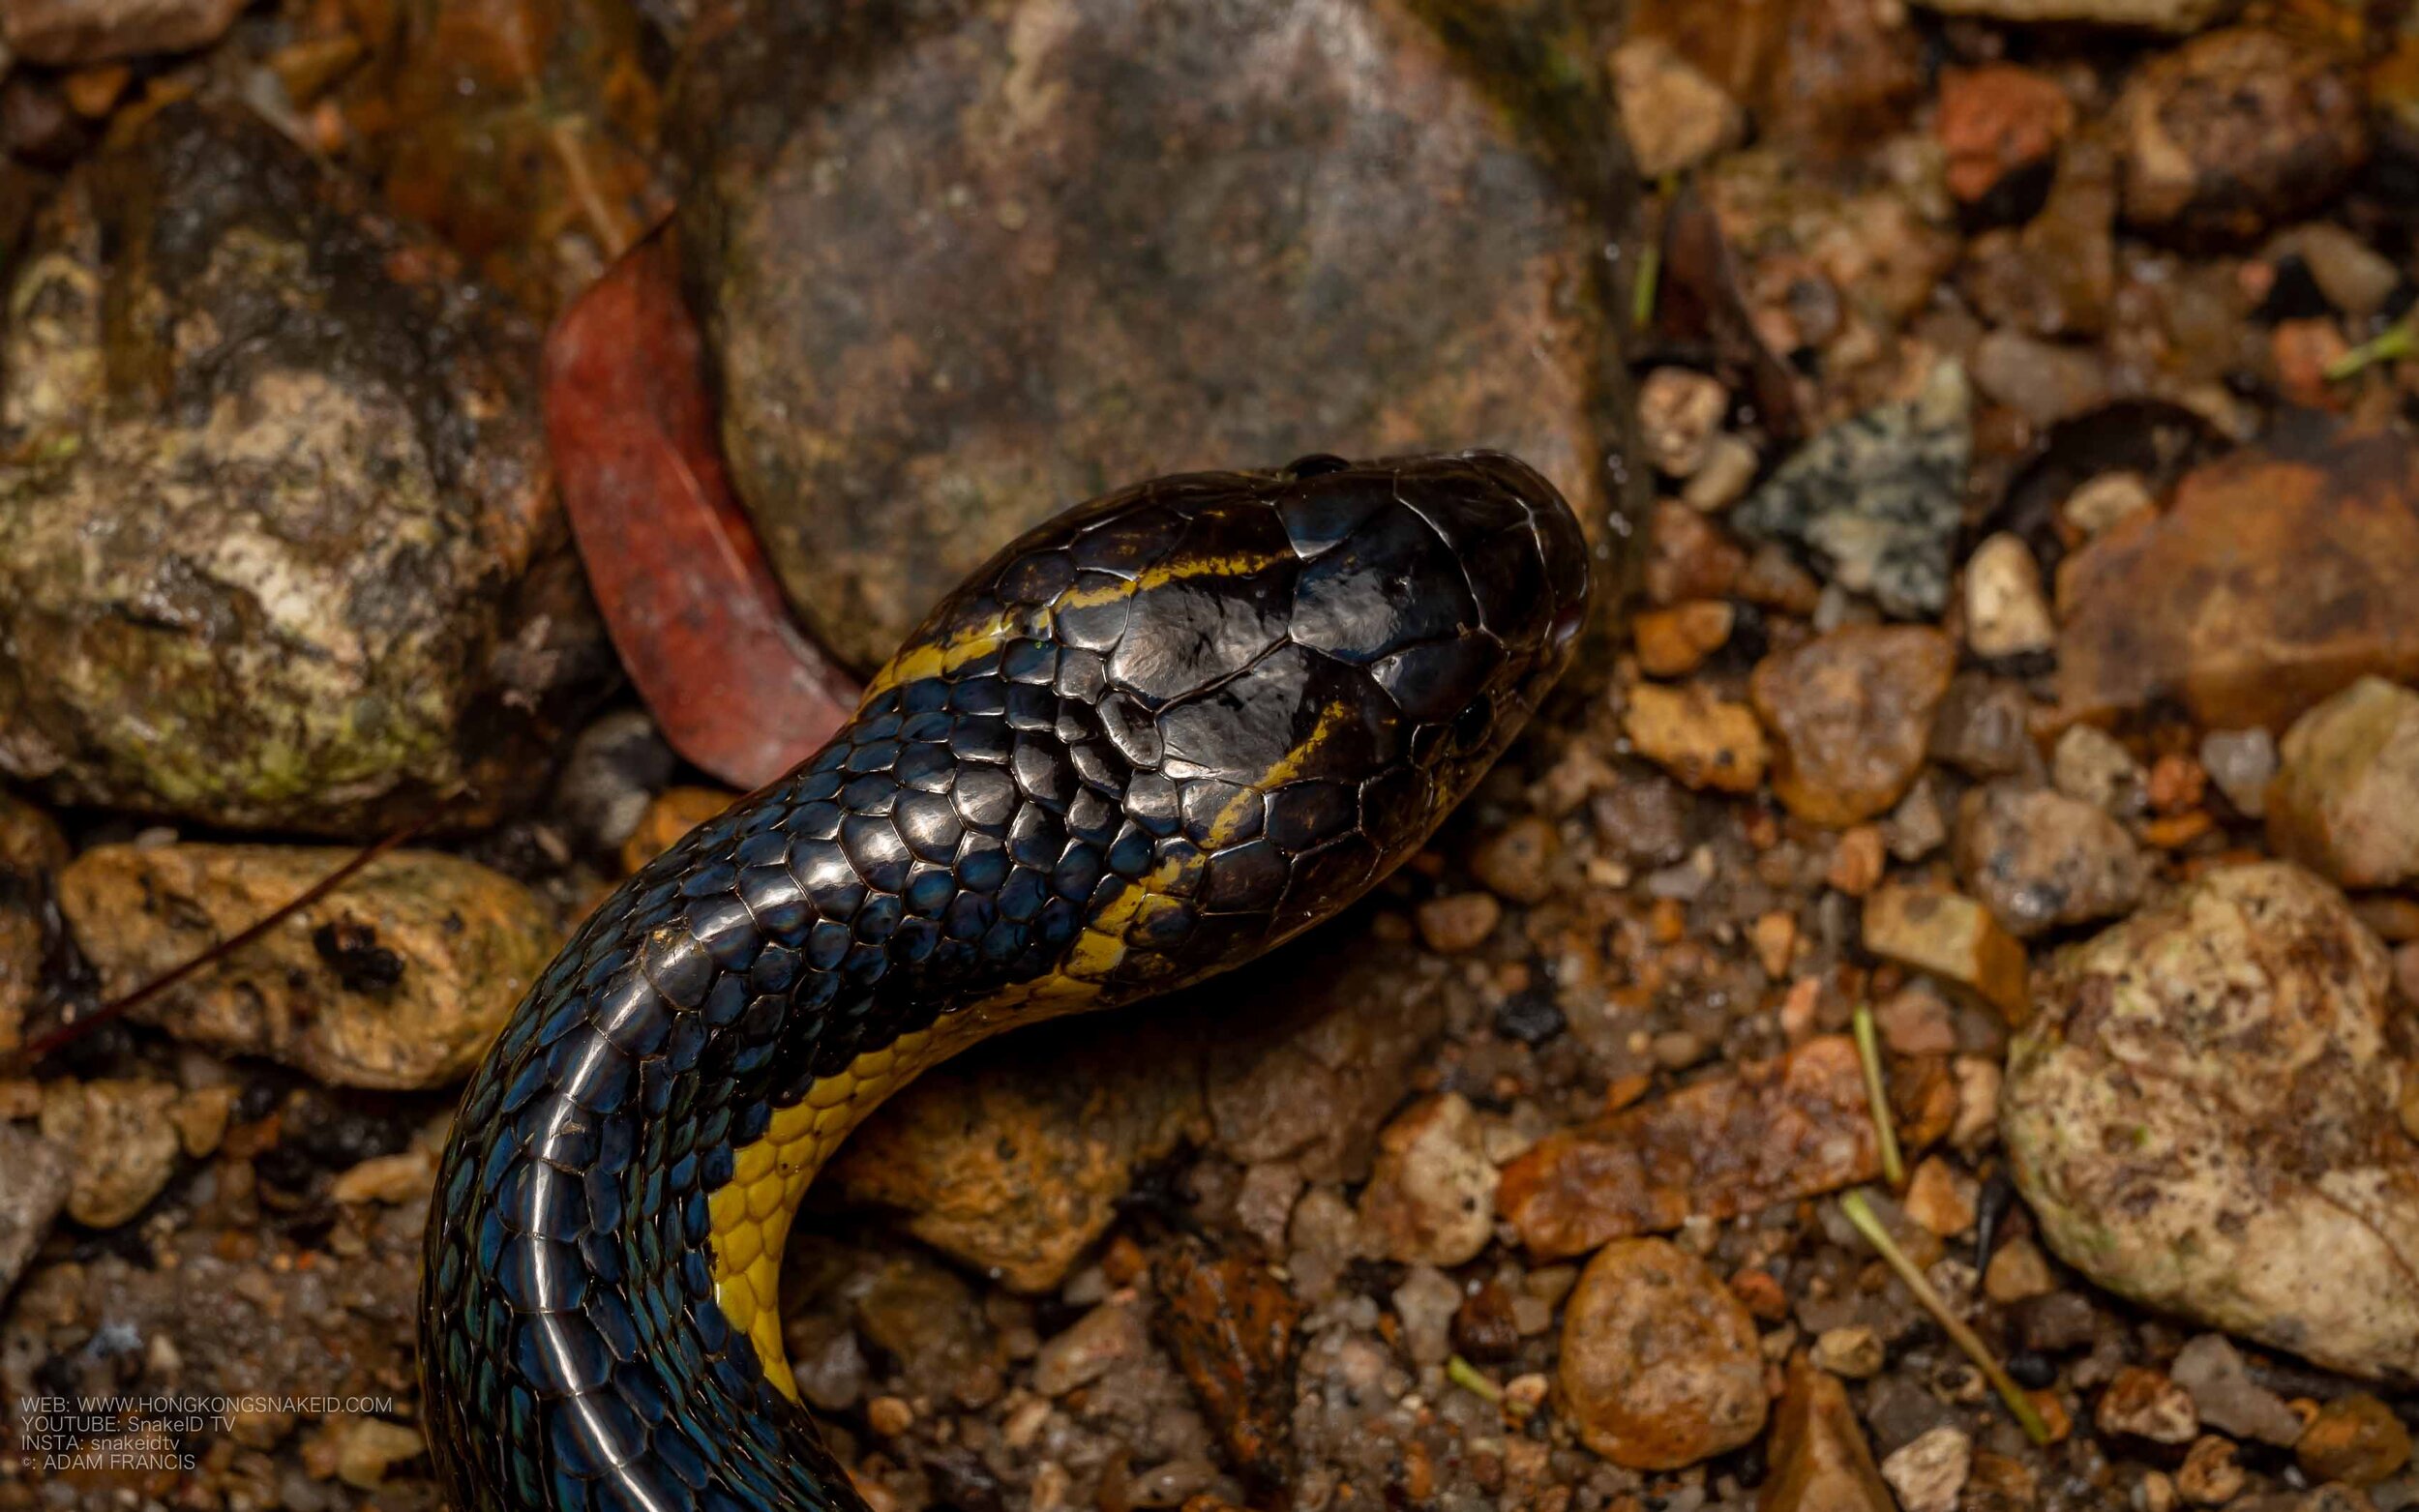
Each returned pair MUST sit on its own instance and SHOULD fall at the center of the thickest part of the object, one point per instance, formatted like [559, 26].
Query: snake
[1147, 741]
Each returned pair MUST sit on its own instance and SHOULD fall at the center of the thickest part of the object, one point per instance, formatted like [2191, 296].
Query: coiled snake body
[1147, 741]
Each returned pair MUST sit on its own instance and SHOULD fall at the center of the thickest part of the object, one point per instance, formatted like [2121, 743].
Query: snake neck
[1146, 742]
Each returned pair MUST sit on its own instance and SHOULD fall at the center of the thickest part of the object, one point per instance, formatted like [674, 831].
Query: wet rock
[2005, 612]
[1457, 922]
[1675, 641]
[2102, 502]
[31, 849]
[1013, 1161]
[1786, 1129]
[249, 1324]
[1491, 1321]
[1940, 1198]
[1688, 557]
[121, 1136]
[2041, 381]
[2092, 765]
[1855, 1353]
[1645, 820]
[2167, 16]
[1431, 1199]
[1829, 74]
[2228, 1400]
[1659, 1363]
[2019, 1273]
[1981, 727]
[1426, 1302]
[2056, 275]
[1678, 412]
[1877, 499]
[1311, 1080]
[1517, 862]
[2346, 799]
[2278, 577]
[1697, 736]
[1013, 1157]
[366, 1448]
[2209, 1476]
[2355, 1439]
[2355, 278]
[30, 1199]
[1929, 1471]
[1995, 120]
[289, 557]
[2241, 762]
[613, 774]
[1229, 1326]
[2237, 131]
[669, 816]
[1674, 116]
[1103, 1337]
[522, 131]
[1856, 861]
[1731, 463]
[1820, 1462]
[2147, 1405]
[400, 979]
[70, 33]
[2039, 859]
[1158, 240]
[1952, 937]
[1917, 1021]
[394, 1179]
[1850, 715]
[923, 1320]
[2201, 1115]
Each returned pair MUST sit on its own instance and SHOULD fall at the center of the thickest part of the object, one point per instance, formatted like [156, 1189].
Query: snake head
[1281, 681]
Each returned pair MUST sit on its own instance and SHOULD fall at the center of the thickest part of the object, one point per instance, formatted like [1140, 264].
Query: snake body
[1147, 740]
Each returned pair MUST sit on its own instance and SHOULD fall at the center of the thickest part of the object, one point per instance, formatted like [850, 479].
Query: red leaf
[695, 610]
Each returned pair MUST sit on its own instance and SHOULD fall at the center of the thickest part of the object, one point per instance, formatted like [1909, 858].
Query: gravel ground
[2020, 669]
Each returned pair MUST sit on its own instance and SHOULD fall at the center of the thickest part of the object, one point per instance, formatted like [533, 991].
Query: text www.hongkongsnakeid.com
[60, 1434]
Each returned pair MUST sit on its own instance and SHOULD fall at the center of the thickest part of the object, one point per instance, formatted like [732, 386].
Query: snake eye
[1315, 465]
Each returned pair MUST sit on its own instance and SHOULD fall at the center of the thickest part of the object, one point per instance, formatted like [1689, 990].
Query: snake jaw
[1143, 743]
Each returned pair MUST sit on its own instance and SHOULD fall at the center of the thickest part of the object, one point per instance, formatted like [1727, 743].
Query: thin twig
[1861, 1214]
[2395, 341]
[1877, 1092]
[31, 1055]
[1468, 1378]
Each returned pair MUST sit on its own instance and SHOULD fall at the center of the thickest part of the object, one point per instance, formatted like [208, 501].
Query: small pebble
[1675, 641]
[1459, 922]
[1679, 411]
[1855, 1353]
[1659, 1360]
[2209, 1477]
[2107, 499]
[1426, 1302]
[1729, 471]
[2147, 1405]
[2006, 614]
[2241, 762]
[1431, 1197]
[1930, 1472]
[2018, 1273]
[2356, 1439]
[1697, 736]
[1940, 1198]
[2090, 764]
[1516, 862]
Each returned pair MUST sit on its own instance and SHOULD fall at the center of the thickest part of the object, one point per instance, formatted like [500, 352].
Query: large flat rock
[962, 265]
